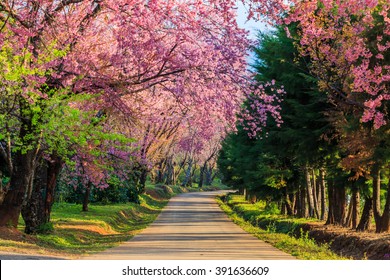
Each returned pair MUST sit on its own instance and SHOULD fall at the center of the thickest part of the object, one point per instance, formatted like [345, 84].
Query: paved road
[192, 226]
[13, 256]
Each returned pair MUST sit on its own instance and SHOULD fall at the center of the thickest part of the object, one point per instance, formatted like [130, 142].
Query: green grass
[102, 227]
[275, 229]
[72, 232]
[261, 215]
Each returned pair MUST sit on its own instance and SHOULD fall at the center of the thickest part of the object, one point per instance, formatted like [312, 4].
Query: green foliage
[266, 166]
[22, 103]
[117, 192]
[4, 180]
[46, 228]
[271, 208]
[271, 228]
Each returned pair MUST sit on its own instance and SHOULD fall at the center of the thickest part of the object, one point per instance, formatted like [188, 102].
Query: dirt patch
[349, 243]
[26, 246]
[13, 234]
[92, 228]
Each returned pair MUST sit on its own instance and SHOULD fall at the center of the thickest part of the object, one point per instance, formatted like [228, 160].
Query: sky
[250, 25]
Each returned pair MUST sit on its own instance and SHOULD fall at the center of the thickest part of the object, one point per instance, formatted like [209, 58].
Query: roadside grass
[263, 216]
[162, 191]
[102, 227]
[22, 247]
[275, 229]
[72, 233]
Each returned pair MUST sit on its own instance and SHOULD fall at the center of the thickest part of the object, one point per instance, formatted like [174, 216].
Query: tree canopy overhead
[132, 82]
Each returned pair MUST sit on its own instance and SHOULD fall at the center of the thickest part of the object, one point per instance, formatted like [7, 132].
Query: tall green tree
[287, 163]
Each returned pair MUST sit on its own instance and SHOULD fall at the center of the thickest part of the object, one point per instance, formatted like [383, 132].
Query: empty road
[192, 227]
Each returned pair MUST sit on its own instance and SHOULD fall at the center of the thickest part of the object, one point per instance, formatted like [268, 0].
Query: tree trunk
[376, 199]
[53, 170]
[201, 176]
[315, 196]
[192, 179]
[330, 206]
[36, 212]
[180, 167]
[355, 206]
[21, 178]
[209, 175]
[33, 211]
[348, 220]
[160, 173]
[385, 219]
[297, 204]
[170, 172]
[86, 196]
[287, 203]
[382, 221]
[187, 180]
[301, 203]
[336, 212]
[142, 179]
[244, 191]
[2, 195]
[293, 200]
[174, 175]
[309, 191]
[323, 193]
[3, 188]
[365, 220]
[22, 169]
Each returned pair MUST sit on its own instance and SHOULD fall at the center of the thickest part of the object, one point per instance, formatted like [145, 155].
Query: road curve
[193, 227]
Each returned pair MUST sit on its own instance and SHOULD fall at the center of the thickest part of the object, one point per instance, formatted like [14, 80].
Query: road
[16, 256]
[191, 227]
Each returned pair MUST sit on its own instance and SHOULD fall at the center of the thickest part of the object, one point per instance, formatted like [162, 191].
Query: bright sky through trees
[250, 25]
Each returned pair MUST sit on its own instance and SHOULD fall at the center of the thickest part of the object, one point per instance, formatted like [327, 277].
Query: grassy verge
[275, 229]
[74, 233]
[102, 227]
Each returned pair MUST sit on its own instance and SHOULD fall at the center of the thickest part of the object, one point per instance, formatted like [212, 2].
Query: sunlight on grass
[74, 232]
[102, 227]
[274, 229]
[11, 243]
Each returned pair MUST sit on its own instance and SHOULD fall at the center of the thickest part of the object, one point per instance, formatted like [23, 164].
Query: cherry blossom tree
[348, 44]
[120, 56]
